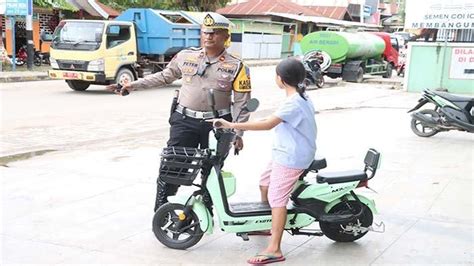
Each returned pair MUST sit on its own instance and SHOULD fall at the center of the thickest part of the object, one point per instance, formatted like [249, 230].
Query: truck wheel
[124, 74]
[78, 85]
[359, 75]
[388, 74]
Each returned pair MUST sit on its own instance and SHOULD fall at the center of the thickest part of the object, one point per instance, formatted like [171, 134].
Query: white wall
[260, 46]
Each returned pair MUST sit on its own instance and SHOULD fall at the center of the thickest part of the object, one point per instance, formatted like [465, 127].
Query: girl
[294, 147]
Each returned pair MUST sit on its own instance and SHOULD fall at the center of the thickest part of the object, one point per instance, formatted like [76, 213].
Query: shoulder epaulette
[194, 48]
[235, 56]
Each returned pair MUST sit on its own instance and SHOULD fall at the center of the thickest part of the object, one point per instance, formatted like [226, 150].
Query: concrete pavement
[91, 202]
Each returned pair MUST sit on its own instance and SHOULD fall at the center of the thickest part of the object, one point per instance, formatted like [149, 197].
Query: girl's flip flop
[266, 259]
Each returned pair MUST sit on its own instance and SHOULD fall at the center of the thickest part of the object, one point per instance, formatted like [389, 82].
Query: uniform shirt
[225, 74]
[294, 143]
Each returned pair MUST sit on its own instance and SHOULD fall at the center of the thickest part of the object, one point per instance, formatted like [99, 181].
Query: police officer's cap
[213, 21]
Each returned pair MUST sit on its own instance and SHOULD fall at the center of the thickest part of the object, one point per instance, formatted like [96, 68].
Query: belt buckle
[199, 115]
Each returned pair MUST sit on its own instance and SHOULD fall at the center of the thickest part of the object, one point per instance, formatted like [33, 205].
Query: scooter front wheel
[351, 230]
[165, 226]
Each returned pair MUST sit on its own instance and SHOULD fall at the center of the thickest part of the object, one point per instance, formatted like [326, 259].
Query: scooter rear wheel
[164, 227]
[339, 231]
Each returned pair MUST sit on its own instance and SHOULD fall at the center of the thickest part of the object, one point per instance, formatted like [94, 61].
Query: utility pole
[29, 35]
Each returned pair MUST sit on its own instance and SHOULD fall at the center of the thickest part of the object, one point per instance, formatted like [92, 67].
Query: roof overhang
[91, 7]
[323, 20]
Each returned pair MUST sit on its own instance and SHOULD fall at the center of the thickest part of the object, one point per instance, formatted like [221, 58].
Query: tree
[190, 5]
[60, 4]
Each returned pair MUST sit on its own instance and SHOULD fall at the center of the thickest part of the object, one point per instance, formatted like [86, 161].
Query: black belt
[200, 115]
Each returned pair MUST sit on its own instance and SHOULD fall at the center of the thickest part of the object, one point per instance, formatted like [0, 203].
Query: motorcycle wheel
[336, 232]
[320, 82]
[19, 62]
[37, 61]
[164, 227]
[423, 130]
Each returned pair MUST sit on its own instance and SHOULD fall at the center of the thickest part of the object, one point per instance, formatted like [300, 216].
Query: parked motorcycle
[314, 63]
[41, 58]
[451, 112]
[21, 56]
[329, 199]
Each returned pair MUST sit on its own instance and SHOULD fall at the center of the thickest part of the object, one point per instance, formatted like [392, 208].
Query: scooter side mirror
[252, 105]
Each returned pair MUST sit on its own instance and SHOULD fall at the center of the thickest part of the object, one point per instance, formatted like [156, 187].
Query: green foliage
[191, 5]
[60, 4]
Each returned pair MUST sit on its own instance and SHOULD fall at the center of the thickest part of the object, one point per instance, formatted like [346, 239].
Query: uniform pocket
[224, 82]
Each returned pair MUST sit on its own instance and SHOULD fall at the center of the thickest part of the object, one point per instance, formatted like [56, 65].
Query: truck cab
[85, 52]
[390, 53]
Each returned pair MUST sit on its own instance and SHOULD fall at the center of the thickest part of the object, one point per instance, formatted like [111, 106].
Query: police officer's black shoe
[161, 197]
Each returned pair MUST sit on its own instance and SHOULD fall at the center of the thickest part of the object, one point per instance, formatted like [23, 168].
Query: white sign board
[462, 63]
[439, 14]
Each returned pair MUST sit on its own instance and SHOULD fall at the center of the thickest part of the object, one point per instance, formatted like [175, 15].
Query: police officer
[201, 69]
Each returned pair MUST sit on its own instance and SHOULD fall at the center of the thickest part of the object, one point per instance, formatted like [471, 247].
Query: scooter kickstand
[244, 236]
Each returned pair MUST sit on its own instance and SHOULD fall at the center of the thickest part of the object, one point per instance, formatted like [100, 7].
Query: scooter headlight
[96, 65]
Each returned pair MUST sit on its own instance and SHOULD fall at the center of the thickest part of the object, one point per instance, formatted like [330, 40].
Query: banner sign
[439, 14]
[16, 8]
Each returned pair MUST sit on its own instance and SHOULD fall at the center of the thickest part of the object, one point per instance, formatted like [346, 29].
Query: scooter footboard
[205, 218]
[370, 203]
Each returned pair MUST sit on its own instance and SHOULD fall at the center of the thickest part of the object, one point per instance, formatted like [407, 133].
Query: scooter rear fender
[370, 203]
[421, 102]
[205, 218]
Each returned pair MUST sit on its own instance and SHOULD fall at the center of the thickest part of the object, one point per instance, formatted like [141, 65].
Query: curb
[24, 78]
[41, 77]
[394, 83]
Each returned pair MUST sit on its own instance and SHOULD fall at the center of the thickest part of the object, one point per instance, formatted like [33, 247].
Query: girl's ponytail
[301, 88]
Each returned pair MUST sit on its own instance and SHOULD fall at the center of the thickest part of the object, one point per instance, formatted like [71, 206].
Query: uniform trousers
[185, 131]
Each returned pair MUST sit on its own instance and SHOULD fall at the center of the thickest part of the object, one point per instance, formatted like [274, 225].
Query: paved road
[91, 200]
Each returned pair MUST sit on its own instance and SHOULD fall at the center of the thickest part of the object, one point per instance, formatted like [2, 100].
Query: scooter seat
[455, 98]
[316, 165]
[341, 177]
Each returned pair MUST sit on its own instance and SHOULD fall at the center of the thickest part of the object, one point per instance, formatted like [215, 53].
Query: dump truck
[138, 42]
[354, 54]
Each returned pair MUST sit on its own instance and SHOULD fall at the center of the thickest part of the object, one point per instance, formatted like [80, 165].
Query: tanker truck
[354, 54]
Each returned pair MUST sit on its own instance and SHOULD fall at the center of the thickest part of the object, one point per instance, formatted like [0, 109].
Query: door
[121, 49]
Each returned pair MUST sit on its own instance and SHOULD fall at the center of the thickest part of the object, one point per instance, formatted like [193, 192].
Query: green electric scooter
[329, 198]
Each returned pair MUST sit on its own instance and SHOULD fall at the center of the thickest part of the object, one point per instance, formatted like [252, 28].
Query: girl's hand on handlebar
[220, 123]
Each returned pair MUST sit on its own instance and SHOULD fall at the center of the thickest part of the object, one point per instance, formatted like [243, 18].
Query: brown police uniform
[226, 75]
[229, 79]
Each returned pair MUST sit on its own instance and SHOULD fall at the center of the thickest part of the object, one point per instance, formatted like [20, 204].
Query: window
[394, 43]
[117, 34]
